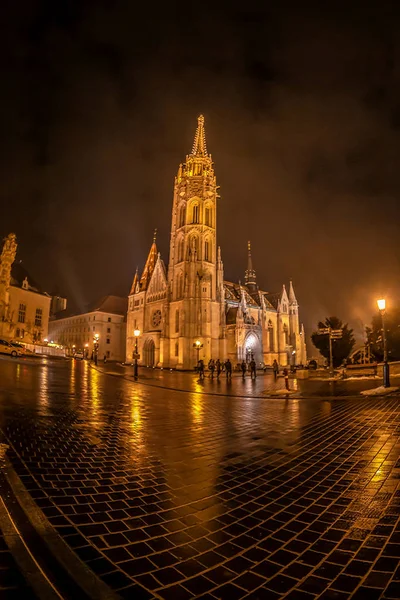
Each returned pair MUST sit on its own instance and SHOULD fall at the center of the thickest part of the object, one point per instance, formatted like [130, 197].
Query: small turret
[292, 296]
[150, 264]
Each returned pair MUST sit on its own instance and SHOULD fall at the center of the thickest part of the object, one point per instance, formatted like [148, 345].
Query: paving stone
[175, 502]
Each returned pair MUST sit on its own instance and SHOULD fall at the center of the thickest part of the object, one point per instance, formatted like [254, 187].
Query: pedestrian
[105, 359]
[253, 372]
[228, 369]
[200, 368]
[275, 368]
[218, 366]
[211, 367]
[243, 367]
[286, 376]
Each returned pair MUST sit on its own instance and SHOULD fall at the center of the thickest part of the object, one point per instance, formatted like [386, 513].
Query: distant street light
[382, 309]
[136, 333]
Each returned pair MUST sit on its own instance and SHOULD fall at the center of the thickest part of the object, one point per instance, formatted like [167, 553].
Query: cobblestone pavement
[176, 495]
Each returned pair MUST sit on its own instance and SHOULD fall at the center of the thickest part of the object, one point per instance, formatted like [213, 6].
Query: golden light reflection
[72, 377]
[44, 389]
[94, 394]
[197, 409]
[136, 424]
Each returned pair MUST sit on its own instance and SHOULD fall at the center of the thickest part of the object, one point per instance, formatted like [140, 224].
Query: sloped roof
[19, 274]
[273, 299]
[233, 292]
[116, 305]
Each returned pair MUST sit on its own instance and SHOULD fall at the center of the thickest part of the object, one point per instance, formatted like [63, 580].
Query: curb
[51, 567]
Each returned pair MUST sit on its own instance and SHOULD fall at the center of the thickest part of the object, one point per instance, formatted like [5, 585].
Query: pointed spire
[155, 235]
[149, 266]
[135, 282]
[199, 144]
[250, 274]
[292, 296]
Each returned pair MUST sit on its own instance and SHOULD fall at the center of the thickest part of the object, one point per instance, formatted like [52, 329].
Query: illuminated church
[188, 310]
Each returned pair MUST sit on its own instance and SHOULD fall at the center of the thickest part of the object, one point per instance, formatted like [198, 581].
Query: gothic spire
[199, 144]
[150, 264]
[292, 296]
[135, 282]
[250, 274]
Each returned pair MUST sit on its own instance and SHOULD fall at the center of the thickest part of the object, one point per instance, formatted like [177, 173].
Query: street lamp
[95, 347]
[198, 345]
[136, 333]
[86, 350]
[382, 309]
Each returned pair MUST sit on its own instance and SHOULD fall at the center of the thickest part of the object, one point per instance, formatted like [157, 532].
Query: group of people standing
[217, 366]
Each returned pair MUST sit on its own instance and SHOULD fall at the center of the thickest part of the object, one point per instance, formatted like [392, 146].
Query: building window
[94, 318]
[17, 332]
[108, 341]
[271, 337]
[180, 250]
[286, 334]
[176, 349]
[21, 313]
[195, 213]
[207, 214]
[177, 321]
[22, 333]
[108, 329]
[182, 216]
[94, 328]
[206, 250]
[109, 319]
[108, 354]
[38, 317]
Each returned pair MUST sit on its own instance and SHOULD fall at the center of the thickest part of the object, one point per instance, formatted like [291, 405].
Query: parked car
[79, 355]
[7, 348]
[312, 364]
[20, 348]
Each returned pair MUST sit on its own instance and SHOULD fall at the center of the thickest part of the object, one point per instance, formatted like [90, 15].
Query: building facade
[188, 310]
[24, 307]
[105, 319]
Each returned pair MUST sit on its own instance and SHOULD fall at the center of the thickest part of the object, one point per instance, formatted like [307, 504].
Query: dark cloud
[302, 104]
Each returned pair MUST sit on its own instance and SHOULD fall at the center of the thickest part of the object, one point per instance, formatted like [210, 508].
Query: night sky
[99, 101]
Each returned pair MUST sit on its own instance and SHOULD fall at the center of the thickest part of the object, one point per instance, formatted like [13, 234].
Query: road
[206, 493]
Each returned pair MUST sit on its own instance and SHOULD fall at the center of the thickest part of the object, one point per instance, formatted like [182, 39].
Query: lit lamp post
[95, 347]
[198, 345]
[136, 333]
[382, 309]
[86, 350]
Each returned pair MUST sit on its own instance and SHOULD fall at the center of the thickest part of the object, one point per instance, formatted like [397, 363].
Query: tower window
[207, 216]
[195, 213]
[180, 250]
[177, 321]
[286, 334]
[182, 216]
[21, 313]
[206, 250]
[176, 349]
[271, 336]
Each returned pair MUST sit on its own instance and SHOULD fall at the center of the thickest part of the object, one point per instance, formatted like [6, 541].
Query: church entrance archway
[149, 353]
[252, 348]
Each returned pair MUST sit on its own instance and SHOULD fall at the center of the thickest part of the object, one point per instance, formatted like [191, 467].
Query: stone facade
[190, 302]
[24, 308]
[105, 318]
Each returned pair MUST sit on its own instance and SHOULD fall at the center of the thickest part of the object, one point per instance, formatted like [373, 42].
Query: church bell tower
[195, 274]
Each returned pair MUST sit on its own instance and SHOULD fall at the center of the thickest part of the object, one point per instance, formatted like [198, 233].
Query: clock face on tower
[156, 318]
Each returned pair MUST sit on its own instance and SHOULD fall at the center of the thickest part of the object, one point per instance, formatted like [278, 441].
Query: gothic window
[193, 246]
[176, 349]
[180, 250]
[38, 317]
[195, 209]
[182, 215]
[207, 216]
[286, 334]
[206, 250]
[177, 321]
[21, 313]
[271, 336]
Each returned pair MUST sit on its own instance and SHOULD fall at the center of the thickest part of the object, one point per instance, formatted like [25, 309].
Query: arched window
[207, 216]
[177, 321]
[180, 250]
[193, 247]
[206, 250]
[286, 334]
[176, 349]
[195, 213]
[271, 336]
[182, 215]
[180, 286]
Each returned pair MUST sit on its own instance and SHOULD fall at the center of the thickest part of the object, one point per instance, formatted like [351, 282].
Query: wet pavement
[202, 494]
